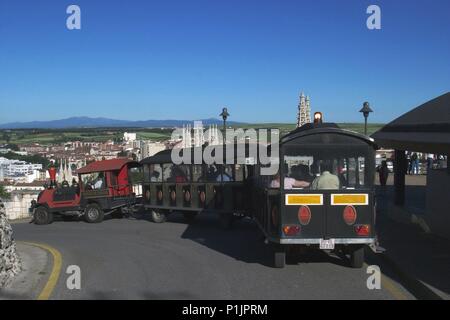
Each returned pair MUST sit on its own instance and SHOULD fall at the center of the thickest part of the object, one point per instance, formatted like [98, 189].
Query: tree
[6, 137]
[3, 193]
[13, 147]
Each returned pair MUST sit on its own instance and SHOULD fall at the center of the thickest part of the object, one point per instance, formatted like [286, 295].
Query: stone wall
[10, 264]
[18, 204]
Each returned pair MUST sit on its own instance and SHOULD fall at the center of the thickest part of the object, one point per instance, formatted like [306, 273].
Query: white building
[149, 148]
[197, 136]
[12, 167]
[21, 195]
[127, 136]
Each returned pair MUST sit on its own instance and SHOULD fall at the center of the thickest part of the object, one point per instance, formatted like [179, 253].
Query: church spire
[304, 110]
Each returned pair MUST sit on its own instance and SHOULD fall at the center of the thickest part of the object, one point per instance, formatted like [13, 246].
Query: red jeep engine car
[103, 187]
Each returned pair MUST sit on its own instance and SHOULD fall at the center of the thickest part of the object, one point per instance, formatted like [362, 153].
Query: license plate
[327, 244]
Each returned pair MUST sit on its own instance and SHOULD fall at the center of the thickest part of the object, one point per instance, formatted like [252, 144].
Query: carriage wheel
[158, 217]
[279, 256]
[357, 257]
[93, 213]
[42, 216]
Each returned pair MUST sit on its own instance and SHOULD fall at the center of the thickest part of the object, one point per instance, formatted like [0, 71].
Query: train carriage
[323, 195]
[193, 188]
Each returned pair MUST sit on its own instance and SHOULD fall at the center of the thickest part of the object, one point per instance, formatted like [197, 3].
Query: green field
[286, 127]
[157, 134]
[89, 135]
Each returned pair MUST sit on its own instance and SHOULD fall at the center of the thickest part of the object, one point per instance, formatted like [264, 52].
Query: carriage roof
[310, 129]
[165, 156]
[107, 165]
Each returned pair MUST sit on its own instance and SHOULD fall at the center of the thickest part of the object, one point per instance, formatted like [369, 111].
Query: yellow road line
[390, 286]
[56, 270]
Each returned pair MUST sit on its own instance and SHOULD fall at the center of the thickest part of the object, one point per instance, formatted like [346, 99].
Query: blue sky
[187, 59]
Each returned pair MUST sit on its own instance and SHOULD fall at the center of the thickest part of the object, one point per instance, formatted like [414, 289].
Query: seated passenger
[180, 176]
[154, 177]
[301, 172]
[289, 183]
[212, 173]
[99, 181]
[224, 177]
[327, 180]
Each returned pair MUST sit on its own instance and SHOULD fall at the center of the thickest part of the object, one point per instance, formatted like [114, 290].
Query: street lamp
[365, 111]
[224, 116]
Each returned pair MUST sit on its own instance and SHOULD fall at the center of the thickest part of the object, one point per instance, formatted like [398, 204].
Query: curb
[413, 285]
[27, 284]
[55, 271]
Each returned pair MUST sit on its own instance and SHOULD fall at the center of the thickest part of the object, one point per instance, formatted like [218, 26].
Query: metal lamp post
[365, 111]
[224, 116]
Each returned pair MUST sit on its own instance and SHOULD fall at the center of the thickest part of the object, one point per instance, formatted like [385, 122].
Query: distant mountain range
[87, 122]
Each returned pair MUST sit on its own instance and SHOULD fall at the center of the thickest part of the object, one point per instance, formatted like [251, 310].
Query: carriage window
[94, 181]
[322, 169]
[167, 172]
[227, 173]
[154, 173]
[181, 173]
[212, 173]
[197, 173]
[239, 172]
[361, 166]
[135, 175]
[146, 170]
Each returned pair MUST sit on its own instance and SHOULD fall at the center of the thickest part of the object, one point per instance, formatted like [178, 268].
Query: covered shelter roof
[106, 165]
[423, 129]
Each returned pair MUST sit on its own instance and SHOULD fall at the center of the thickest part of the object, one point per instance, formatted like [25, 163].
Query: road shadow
[245, 242]
[411, 252]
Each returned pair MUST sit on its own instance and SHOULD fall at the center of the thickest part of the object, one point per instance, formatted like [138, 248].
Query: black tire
[93, 213]
[226, 220]
[357, 257]
[189, 217]
[42, 216]
[279, 256]
[117, 214]
[158, 216]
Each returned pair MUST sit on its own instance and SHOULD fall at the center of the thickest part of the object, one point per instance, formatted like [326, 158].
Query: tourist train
[321, 194]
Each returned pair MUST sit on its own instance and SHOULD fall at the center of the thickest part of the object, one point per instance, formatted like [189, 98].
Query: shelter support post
[400, 165]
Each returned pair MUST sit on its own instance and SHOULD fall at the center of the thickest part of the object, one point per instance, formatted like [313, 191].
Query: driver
[99, 181]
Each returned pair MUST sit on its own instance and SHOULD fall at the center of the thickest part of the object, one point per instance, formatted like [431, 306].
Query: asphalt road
[133, 258]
